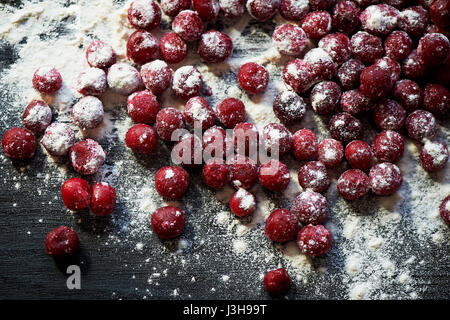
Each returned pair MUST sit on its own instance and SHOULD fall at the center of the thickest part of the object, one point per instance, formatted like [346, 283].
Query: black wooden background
[118, 270]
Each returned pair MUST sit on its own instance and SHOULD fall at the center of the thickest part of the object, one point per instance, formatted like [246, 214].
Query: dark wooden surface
[117, 270]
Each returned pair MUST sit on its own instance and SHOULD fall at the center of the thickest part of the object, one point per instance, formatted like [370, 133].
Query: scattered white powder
[371, 256]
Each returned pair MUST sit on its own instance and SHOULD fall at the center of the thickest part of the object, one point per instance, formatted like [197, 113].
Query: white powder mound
[375, 239]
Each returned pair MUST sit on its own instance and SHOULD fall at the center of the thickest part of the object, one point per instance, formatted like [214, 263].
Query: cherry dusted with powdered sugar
[281, 226]
[313, 175]
[388, 146]
[103, 199]
[277, 281]
[198, 112]
[385, 179]
[157, 76]
[421, 125]
[215, 46]
[262, 10]
[330, 152]
[242, 203]
[188, 25]
[345, 127]
[168, 222]
[37, 116]
[289, 39]
[253, 78]
[215, 173]
[58, 139]
[87, 156]
[359, 155]
[289, 107]
[142, 107]
[314, 240]
[87, 113]
[144, 14]
[433, 156]
[171, 182]
[276, 138]
[100, 55]
[174, 7]
[353, 184]
[141, 138]
[91, 82]
[75, 194]
[172, 48]
[305, 144]
[208, 10]
[142, 47]
[62, 241]
[167, 121]
[244, 172]
[310, 207]
[230, 112]
[47, 80]
[187, 82]
[274, 175]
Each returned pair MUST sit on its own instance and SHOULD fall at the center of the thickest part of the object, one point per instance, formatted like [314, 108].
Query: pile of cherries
[388, 61]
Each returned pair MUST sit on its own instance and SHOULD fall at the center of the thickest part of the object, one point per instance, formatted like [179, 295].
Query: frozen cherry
[232, 8]
[188, 25]
[198, 113]
[414, 20]
[47, 80]
[37, 116]
[103, 199]
[215, 173]
[330, 152]
[444, 210]
[144, 14]
[398, 45]
[208, 10]
[313, 175]
[325, 97]
[216, 143]
[305, 144]
[263, 10]
[141, 138]
[188, 151]
[289, 39]
[274, 175]
[391, 66]
[87, 156]
[337, 45]
[230, 112]
[19, 143]
[168, 222]
[310, 208]
[433, 49]
[379, 19]
[58, 139]
[142, 107]
[242, 203]
[389, 115]
[366, 3]
[353, 184]
[174, 7]
[349, 73]
[281, 226]
[171, 182]
[91, 82]
[408, 94]
[157, 76]
[289, 107]
[87, 113]
[275, 136]
[215, 46]
[420, 125]
[321, 65]
[246, 138]
[385, 179]
[345, 127]
[314, 240]
[359, 155]
[354, 102]
[75, 194]
[172, 48]
[100, 55]
[399, 3]
[294, 10]
[297, 74]
[376, 82]
[187, 82]
[244, 172]
[62, 241]
[142, 47]
[437, 99]
[388, 146]
[346, 16]
[433, 156]
[277, 281]
[413, 67]
[440, 13]
[253, 78]
[123, 79]
[366, 47]
[316, 24]
[167, 121]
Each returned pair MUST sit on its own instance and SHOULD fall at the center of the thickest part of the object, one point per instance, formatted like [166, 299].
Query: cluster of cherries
[368, 66]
